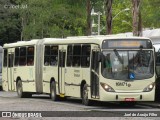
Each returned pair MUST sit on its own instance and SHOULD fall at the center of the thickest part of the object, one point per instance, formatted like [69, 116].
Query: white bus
[92, 68]
[1, 49]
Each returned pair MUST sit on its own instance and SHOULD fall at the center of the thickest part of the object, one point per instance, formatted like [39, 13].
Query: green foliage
[122, 19]
[151, 13]
[34, 19]
[9, 23]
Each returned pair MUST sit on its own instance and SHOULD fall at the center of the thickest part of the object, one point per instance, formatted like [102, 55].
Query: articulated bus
[95, 68]
[1, 49]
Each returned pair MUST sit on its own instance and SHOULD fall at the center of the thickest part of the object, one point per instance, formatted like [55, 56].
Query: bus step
[61, 95]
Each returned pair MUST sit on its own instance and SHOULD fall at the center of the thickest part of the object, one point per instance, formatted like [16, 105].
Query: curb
[150, 104]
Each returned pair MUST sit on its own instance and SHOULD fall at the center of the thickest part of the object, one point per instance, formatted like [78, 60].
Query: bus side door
[95, 74]
[61, 72]
[10, 71]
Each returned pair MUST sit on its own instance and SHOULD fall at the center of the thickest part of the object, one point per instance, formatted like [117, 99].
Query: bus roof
[70, 40]
[87, 39]
[21, 43]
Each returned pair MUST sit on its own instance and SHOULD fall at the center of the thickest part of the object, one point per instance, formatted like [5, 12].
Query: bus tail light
[107, 87]
[149, 87]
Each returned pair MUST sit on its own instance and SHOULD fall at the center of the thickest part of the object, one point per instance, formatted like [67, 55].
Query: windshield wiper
[118, 56]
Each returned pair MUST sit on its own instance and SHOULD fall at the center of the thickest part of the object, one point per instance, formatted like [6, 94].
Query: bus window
[30, 56]
[158, 57]
[76, 55]
[16, 60]
[54, 55]
[47, 56]
[85, 61]
[22, 59]
[5, 58]
[69, 55]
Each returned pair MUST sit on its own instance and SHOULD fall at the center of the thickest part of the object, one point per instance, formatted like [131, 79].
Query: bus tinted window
[16, 60]
[69, 55]
[54, 56]
[47, 56]
[85, 60]
[22, 59]
[158, 57]
[76, 55]
[30, 56]
[5, 58]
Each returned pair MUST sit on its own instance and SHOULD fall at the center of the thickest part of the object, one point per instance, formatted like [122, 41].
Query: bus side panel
[68, 81]
[4, 79]
[49, 73]
[73, 81]
[28, 77]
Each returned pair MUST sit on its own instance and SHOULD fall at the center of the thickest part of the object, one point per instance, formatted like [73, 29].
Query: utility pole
[22, 28]
[109, 16]
[137, 21]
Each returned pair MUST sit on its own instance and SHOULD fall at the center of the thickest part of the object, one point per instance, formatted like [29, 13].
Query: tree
[136, 17]
[109, 16]
[89, 17]
[62, 18]
[9, 23]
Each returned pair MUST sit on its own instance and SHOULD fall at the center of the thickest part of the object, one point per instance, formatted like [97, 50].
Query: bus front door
[95, 74]
[61, 73]
[10, 72]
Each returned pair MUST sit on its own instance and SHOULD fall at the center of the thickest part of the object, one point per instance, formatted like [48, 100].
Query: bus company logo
[6, 114]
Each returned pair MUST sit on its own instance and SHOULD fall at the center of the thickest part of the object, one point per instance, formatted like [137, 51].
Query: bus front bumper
[127, 96]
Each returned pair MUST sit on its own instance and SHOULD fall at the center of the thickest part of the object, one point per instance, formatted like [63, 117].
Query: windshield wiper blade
[118, 56]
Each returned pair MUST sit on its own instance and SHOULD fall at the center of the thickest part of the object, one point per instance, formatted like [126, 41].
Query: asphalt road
[42, 105]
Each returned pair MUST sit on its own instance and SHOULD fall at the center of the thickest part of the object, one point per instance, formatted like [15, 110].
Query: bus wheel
[85, 99]
[20, 92]
[28, 95]
[53, 95]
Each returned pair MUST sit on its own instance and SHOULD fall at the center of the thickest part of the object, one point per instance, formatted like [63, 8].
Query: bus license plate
[129, 99]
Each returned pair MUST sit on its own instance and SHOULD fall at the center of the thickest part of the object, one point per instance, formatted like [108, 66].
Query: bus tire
[20, 92]
[1, 89]
[85, 99]
[28, 95]
[53, 95]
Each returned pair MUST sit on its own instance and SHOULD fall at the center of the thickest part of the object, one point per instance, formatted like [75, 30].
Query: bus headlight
[107, 87]
[149, 87]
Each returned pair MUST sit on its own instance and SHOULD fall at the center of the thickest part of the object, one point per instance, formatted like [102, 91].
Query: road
[72, 108]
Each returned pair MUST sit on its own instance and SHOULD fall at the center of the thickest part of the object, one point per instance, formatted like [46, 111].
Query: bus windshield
[127, 64]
